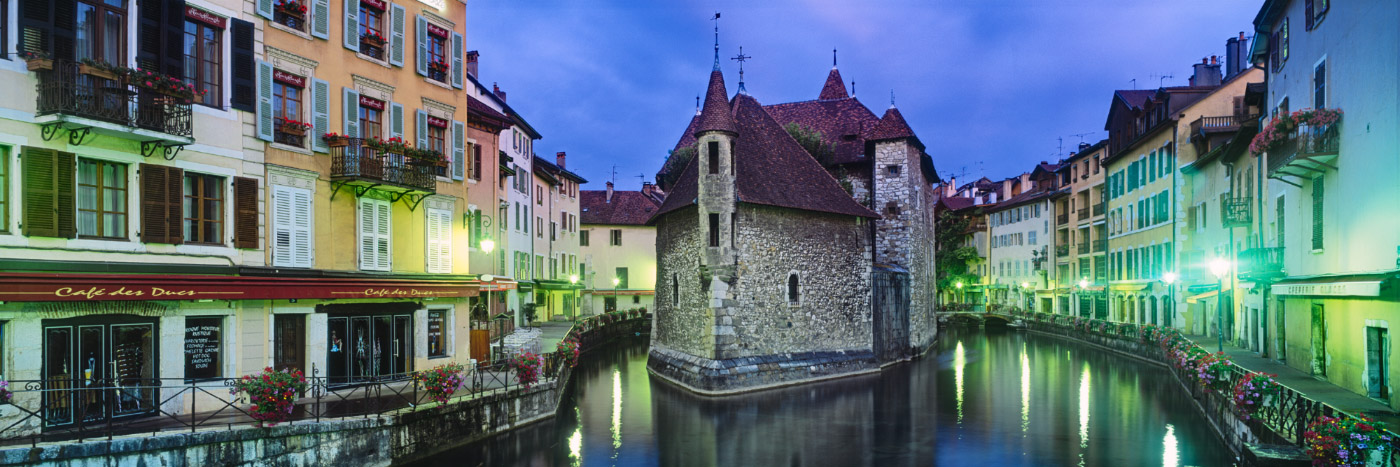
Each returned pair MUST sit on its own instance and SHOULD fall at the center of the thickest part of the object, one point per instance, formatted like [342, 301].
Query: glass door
[58, 375]
[363, 358]
[403, 344]
[132, 368]
[338, 351]
[98, 368]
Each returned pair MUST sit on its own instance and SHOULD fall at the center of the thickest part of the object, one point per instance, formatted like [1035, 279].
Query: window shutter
[439, 241]
[422, 36]
[162, 204]
[172, 62]
[456, 60]
[396, 119]
[459, 133]
[420, 128]
[431, 254]
[36, 25]
[352, 25]
[281, 242]
[148, 34]
[61, 35]
[321, 19]
[320, 114]
[381, 237]
[367, 231]
[244, 67]
[265, 124]
[49, 209]
[245, 209]
[351, 111]
[396, 21]
[1317, 213]
[302, 253]
[1308, 15]
[264, 8]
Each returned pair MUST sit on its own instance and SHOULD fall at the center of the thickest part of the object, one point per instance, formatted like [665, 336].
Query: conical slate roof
[833, 89]
[715, 116]
[891, 126]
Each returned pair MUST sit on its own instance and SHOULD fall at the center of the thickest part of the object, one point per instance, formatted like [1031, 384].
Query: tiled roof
[842, 123]
[715, 116]
[481, 111]
[1135, 97]
[954, 203]
[550, 168]
[626, 208]
[891, 126]
[834, 87]
[688, 137]
[1020, 199]
[771, 169]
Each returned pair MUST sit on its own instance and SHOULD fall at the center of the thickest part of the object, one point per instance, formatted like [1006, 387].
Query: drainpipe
[1176, 149]
[1259, 243]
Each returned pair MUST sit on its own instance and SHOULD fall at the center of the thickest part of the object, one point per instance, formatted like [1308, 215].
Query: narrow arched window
[793, 291]
[675, 290]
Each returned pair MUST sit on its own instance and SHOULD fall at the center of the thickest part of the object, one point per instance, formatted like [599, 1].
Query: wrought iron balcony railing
[1083, 214]
[1083, 247]
[66, 91]
[1098, 209]
[1235, 211]
[1309, 146]
[1100, 245]
[1062, 218]
[1261, 262]
[358, 161]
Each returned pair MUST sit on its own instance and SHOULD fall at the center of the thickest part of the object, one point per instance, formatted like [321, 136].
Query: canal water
[989, 397]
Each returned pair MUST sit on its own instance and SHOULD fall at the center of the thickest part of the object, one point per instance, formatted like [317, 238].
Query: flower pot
[371, 40]
[337, 142]
[97, 72]
[38, 64]
[294, 130]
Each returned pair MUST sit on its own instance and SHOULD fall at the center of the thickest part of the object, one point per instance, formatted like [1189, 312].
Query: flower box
[39, 64]
[373, 39]
[97, 72]
[337, 142]
[292, 129]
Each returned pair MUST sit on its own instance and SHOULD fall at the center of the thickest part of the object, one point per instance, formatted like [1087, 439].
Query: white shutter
[439, 241]
[282, 226]
[303, 255]
[398, 16]
[432, 242]
[381, 240]
[367, 234]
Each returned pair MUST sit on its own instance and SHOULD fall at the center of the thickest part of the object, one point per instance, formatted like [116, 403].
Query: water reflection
[953, 407]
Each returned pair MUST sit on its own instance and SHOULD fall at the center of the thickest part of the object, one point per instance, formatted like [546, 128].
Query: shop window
[204, 60]
[204, 347]
[112, 357]
[204, 209]
[101, 199]
[437, 333]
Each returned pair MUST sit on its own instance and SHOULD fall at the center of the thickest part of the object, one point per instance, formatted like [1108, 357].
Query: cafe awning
[1204, 296]
[1344, 285]
[1130, 287]
[30, 287]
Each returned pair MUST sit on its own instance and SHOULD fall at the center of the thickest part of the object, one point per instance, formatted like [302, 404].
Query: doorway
[1319, 341]
[288, 341]
[98, 368]
[1378, 362]
[1280, 332]
[365, 348]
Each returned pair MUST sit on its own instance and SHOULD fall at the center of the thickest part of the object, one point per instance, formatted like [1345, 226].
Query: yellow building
[617, 244]
[556, 209]
[1081, 234]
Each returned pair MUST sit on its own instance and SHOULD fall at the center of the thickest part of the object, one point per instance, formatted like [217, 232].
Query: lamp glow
[959, 284]
[1083, 284]
[487, 245]
[1219, 266]
[1170, 278]
[573, 278]
[616, 281]
[1025, 285]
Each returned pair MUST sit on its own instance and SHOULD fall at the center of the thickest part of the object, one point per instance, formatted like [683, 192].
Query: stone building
[764, 262]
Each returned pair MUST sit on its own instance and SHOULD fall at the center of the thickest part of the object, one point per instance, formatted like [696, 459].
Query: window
[439, 227]
[437, 333]
[1283, 42]
[371, 117]
[616, 239]
[290, 14]
[204, 209]
[203, 347]
[374, 230]
[1320, 86]
[372, 38]
[733, 228]
[636, 299]
[714, 229]
[476, 165]
[101, 31]
[437, 137]
[793, 290]
[609, 303]
[202, 61]
[675, 290]
[437, 54]
[4, 185]
[553, 226]
[621, 276]
[893, 169]
[539, 227]
[713, 154]
[291, 227]
[583, 238]
[101, 199]
[1317, 221]
[892, 208]
[1313, 11]
[1031, 237]
[288, 91]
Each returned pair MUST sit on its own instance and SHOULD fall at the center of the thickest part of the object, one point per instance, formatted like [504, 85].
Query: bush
[272, 394]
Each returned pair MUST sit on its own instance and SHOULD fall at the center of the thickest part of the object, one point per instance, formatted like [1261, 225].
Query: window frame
[214, 93]
[436, 47]
[368, 12]
[101, 189]
[280, 99]
[196, 202]
[370, 118]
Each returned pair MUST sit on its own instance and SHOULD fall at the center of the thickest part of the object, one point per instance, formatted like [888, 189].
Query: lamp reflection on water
[576, 442]
[1025, 390]
[1084, 407]
[617, 411]
[1171, 456]
[959, 360]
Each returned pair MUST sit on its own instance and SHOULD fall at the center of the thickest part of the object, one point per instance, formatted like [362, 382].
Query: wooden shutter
[35, 25]
[1317, 213]
[476, 162]
[245, 211]
[264, 110]
[395, 120]
[172, 61]
[1307, 15]
[321, 19]
[243, 72]
[264, 8]
[149, 30]
[352, 25]
[351, 109]
[456, 60]
[397, 17]
[49, 194]
[420, 128]
[422, 36]
[162, 204]
[320, 114]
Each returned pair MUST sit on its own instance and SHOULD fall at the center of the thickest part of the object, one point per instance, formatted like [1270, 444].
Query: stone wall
[905, 237]
[682, 324]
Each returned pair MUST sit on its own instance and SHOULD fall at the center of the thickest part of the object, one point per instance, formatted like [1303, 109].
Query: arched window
[675, 290]
[794, 292]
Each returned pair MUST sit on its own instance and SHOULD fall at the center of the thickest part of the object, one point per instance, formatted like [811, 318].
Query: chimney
[499, 93]
[472, 55]
[1083, 146]
[559, 159]
[1206, 73]
[609, 197]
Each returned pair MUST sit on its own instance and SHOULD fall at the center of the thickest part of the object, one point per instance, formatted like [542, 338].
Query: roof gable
[625, 208]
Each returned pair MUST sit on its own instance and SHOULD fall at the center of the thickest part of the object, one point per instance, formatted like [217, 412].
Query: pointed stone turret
[891, 126]
[834, 87]
[715, 115]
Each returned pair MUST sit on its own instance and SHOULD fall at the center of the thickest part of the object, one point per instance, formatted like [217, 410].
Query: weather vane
[833, 58]
[716, 20]
[741, 58]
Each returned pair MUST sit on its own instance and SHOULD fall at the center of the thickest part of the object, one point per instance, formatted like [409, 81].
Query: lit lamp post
[573, 281]
[1219, 267]
[615, 282]
[961, 298]
[1083, 289]
[1170, 278]
[1024, 302]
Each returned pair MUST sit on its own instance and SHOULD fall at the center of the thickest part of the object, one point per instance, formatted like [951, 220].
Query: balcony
[1083, 248]
[1307, 152]
[1100, 245]
[1204, 126]
[1261, 263]
[1061, 251]
[80, 103]
[1098, 208]
[1235, 212]
[363, 167]
[1083, 214]
[1062, 218]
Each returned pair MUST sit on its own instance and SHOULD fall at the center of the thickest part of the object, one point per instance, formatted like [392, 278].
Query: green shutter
[456, 60]
[422, 35]
[320, 114]
[351, 32]
[395, 120]
[458, 151]
[398, 16]
[351, 109]
[264, 113]
[321, 19]
[420, 128]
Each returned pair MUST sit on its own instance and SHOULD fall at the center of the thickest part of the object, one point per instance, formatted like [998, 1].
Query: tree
[952, 258]
[674, 165]
[811, 140]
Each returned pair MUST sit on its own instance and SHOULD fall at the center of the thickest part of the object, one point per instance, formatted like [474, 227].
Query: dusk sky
[988, 86]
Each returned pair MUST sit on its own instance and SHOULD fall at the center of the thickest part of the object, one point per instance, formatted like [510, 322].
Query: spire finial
[891, 98]
[833, 58]
[741, 58]
[697, 104]
[716, 20]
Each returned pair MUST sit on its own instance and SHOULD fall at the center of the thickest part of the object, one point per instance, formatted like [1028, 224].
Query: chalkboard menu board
[437, 341]
[203, 342]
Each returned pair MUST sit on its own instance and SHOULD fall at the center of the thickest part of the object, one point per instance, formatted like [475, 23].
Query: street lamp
[615, 301]
[961, 298]
[487, 245]
[573, 281]
[1219, 267]
[1170, 278]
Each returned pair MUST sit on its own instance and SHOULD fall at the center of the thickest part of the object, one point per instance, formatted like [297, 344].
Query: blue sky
[988, 85]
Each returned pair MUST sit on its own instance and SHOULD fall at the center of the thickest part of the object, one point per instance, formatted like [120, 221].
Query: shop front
[99, 367]
[369, 342]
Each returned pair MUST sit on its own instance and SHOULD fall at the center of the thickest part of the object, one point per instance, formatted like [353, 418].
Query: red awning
[25, 287]
[610, 292]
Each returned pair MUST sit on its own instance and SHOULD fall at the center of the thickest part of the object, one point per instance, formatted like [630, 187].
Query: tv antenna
[1082, 135]
[1163, 78]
